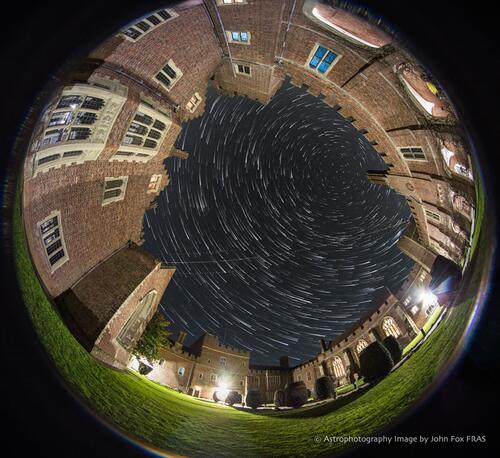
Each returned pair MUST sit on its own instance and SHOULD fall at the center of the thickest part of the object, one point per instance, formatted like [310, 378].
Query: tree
[153, 339]
[296, 394]
[233, 397]
[279, 399]
[253, 399]
[323, 387]
[394, 347]
[375, 361]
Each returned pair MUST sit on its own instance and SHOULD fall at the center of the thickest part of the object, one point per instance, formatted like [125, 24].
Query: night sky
[278, 237]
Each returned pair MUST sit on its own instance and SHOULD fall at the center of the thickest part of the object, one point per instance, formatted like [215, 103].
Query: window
[69, 101]
[85, 117]
[413, 153]
[338, 367]
[53, 136]
[223, 361]
[114, 189]
[433, 216]
[93, 103]
[361, 345]
[322, 59]
[46, 159]
[154, 183]
[61, 118]
[148, 23]
[193, 103]
[242, 69]
[137, 322]
[213, 377]
[144, 131]
[430, 309]
[169, 75]
[242, 382]
[79, 133]
[309, 378]
[390, 327]
[181, 371]
[414, 309]
[52, 240]
[238, 37]
[200, 375]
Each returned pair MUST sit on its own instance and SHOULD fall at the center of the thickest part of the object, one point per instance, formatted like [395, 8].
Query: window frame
[243, 73]
[122, 188]
[55, 231]
[230, 38]
[412, 159]
[195, 104]
[170, 63]
[134, 26]
[315, 70]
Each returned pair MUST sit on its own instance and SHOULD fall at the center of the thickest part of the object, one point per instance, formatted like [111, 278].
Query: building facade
[96, 160]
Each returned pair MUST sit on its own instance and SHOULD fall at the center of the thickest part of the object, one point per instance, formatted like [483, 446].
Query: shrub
[253, 399]
[279, 398]
[295, 394]
[375, 361]
[323, 387]
[144, 368]
[394, 347]
[233, 397]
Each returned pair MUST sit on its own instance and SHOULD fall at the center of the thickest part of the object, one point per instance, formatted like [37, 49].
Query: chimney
[284, 362]
[181, 338]
[323, 345]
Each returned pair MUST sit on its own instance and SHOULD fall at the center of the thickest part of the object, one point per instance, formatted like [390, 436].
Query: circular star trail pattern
[278, 237]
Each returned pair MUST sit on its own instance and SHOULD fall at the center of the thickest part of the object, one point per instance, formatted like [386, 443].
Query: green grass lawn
[479, 216]
[185, 425]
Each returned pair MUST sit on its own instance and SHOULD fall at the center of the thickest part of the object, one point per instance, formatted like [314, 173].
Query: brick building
[109, 307]
[95, 163]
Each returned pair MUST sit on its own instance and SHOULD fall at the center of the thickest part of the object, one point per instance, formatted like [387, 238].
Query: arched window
[130, 332]
[390, 327]
[361, 345]
[338, 367]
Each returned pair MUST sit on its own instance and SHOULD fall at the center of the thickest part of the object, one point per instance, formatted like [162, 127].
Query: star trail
[278, 237]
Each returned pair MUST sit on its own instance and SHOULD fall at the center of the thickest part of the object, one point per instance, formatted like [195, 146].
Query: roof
[90, 304]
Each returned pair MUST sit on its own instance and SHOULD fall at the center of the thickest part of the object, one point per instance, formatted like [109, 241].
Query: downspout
[225, 37]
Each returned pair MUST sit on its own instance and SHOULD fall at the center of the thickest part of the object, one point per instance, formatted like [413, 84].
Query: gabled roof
[89, 304]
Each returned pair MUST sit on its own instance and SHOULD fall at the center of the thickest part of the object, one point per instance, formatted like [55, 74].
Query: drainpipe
[225, 37]
[286, 31]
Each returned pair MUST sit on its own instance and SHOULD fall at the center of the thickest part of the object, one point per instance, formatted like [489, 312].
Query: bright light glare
[428, 298]
[222, 391]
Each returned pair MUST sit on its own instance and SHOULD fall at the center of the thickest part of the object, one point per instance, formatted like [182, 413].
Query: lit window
[239, 37]
[193, 103]
[338, 367]
[181, 371]
[223, 361]
[114, 189]
[413, 153]
[169, 75]
[414, 309]
[231, 2]
[390, 327]
[154, 183]
[148, 23]
[322, 59]
[361, 345]
[53, 136]
[52, 240]
[61, 118]
[242, 69]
